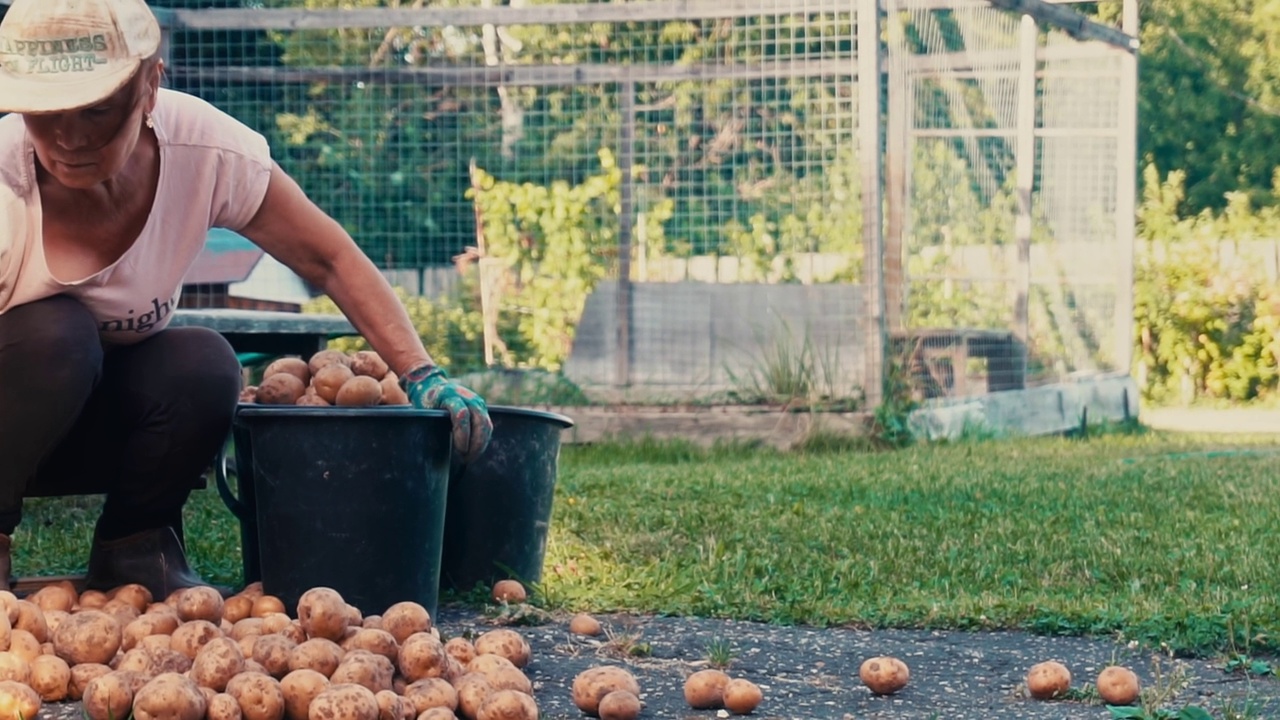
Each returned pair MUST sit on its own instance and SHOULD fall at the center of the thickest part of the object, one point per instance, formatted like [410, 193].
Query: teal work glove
[429, 388]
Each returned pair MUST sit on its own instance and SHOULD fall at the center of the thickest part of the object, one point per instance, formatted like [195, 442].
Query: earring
[150, 123]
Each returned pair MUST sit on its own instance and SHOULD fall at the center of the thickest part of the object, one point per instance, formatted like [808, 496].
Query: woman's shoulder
[13, 151]
[189, 121]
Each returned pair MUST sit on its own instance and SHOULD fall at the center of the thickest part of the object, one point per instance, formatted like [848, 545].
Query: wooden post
[896, 160]
[1025, 175]
[870, 132]
[1126, 192]
[626, 226]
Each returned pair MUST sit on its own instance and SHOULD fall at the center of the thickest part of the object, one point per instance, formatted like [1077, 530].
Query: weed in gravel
[719, 653]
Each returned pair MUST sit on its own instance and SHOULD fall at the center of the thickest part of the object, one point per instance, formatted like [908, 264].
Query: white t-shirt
[213, 173]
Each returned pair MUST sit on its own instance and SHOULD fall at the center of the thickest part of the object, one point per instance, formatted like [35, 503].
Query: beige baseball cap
[58, 55]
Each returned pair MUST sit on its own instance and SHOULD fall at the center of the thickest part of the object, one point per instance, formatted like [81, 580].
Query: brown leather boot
[6, 562]
[152, 558]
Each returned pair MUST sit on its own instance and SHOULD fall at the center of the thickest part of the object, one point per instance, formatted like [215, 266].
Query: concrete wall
[690, 336]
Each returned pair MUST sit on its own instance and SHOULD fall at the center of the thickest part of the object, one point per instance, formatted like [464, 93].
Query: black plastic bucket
[347, 498]
[499, 507]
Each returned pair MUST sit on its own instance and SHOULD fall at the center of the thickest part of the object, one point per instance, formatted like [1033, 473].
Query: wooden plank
[507, 15]
[705, 426]
[626, 213]
[1126, 196]
[1012, 133]
[520, 75]
[870, 135]
[1004, 60]
[1024, 174]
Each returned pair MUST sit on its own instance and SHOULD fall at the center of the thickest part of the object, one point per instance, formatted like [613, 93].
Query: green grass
[1152, 537]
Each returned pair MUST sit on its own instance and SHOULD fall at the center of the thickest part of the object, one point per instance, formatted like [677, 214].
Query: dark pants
[139, 422]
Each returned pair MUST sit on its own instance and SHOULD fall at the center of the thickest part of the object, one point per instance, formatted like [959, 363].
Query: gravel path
[812, 674]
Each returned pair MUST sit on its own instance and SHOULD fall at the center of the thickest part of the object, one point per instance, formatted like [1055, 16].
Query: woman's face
[83, 148]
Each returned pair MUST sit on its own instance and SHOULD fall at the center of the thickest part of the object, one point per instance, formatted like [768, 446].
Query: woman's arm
[299, 234]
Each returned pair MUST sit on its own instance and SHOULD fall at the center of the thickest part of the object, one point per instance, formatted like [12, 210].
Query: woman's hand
[428, 387]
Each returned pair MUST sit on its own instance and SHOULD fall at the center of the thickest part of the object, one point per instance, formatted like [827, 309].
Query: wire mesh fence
[668, 198]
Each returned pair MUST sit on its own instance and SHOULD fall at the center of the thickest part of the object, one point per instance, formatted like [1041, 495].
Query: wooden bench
[937, 359]
[266, 332]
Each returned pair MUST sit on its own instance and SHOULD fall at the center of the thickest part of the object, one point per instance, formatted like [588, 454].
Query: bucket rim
[255, 410]
[563, 421]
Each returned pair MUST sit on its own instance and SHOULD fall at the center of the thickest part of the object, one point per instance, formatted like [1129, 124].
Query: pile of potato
[195, 655]
[330, 377]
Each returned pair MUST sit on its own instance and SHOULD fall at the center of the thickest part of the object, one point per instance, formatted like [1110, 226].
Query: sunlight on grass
[1154, 537]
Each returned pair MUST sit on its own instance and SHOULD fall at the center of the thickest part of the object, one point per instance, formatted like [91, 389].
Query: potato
[704, 690]
[312, 401]
[404, 619]
[884, 675]
[282, 389]
[1048, 680]
[265, 605]
[272, 652]
[390, 705]
[359, 391]
[438, 713]
[508, 705]
[430, 693]
[507, 643]
[109, 696]
[323, 613]
[50, 678]
[364, 668]
[82, 675]
[300, 687]
[619, 705]
[489, 663]
[259, 696]
[317, 654]
[18, 702]
[253, 590]
[24, 645]
[53, 597]
[89, 636]
[421, 656]
[1118, 685]
[14, 667]
[741, 697]
[253, 666]
[296, 367]
[166, 659]
[249, 394]
[460, 649]
[472, 689]
[344, 702]
[250, 626]
[294, 632]
[223, 707]
[510, 679]
[584, 624]
[372, 622]
[123, 612]
[200, 603]
[592, 684]
[169, 696]
[31, 619]
[193, 635]
[134, 594]
[92, 599]
[51, 620]
[216, 663]
[369, 363]
[378, 642]
[136, 660]
[392, 393]
[509, 591]
[325, 358]
[146, 625]
[329, 380]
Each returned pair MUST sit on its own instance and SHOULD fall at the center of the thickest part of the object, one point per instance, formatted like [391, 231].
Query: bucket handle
[232, 502]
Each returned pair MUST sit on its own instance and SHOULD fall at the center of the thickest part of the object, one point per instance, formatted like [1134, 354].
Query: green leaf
[1126, 711]
[1192, 712]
